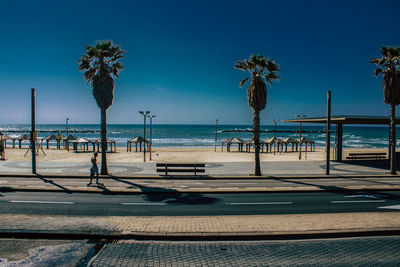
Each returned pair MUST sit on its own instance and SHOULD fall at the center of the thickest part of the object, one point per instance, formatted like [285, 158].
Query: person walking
[94, 170]
[2, 151]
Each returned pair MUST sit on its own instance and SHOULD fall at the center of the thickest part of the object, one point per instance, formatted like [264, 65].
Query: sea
[172, 135]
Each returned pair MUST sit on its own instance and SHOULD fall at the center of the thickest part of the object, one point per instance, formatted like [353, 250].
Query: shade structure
[137, 140]
[276, 142]
[250, 143]
[226, 141]
[68, 139]
[234, 140]
[23, 138]
[51, 138]
[83, 143]
[306, 142]
[339, 121]
[109, 143]
[4, 138]
[291, 141]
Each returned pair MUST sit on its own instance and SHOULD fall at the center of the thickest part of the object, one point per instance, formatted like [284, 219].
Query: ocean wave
[204, 135]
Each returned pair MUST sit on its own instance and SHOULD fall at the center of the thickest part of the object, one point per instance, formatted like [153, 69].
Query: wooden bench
[195, 168]
[376, 156]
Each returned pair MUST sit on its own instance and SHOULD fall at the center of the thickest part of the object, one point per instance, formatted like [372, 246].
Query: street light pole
[216, 135]
[300, 117]
[275, 121]
[33, 132]
[66, 125]
[145, 114]
[151, 132]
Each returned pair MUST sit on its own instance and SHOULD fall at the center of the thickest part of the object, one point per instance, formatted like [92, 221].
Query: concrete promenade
[303, 167]
[198, 227]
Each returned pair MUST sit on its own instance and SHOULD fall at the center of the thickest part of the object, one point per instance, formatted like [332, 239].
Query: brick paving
[381, 251]
[201, 225]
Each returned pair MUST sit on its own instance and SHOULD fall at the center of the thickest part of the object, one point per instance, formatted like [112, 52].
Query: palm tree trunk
[256, 136]
[393, 139]
[104, 170]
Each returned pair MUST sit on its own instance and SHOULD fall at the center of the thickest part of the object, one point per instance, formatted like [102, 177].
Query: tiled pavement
[336, 252]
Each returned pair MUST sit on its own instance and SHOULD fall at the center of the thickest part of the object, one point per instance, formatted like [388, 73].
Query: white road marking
[24, 182]
[241, 183]
[144, 204]
[357, 201]
[41, 202]
[260, 203]
[361, 196]
[227, 188]
[394, 207]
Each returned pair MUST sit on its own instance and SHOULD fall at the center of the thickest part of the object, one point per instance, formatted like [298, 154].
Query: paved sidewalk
[301, 167]
[203, 227]
[157, 184]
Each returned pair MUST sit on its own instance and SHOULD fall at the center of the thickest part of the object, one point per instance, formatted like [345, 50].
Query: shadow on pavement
[339, 167]
[170, 196]
[363, 180]
[378, 164]
[66, 190]
[331, 188]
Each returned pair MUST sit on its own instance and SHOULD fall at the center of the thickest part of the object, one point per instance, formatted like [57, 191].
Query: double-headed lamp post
[300, 117]
[151, 132]
[275, 121]
[145, 114]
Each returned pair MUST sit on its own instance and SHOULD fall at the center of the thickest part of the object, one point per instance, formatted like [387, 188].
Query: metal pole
[67, 120]
[328, 134]
[151, 133]
[275, 121]
[274, 136]
[216, 134]
[300, 142]
[33, 132]
[390, 142]
[144, 147]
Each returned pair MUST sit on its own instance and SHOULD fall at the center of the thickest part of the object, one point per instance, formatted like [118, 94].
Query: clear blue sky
[180, 57]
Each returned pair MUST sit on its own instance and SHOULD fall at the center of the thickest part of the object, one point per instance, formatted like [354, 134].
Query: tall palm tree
[261, 70]
[389, 67]
[100, 63]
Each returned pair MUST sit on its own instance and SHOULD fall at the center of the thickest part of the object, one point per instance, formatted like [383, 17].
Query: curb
[176, 191]
[199, 177]
[238, 236]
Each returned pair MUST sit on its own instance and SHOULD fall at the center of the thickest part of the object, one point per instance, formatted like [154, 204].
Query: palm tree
[261, 70]
[100, 63]
[389, 67]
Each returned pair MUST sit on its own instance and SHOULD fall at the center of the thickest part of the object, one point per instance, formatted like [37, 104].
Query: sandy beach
[174, 154]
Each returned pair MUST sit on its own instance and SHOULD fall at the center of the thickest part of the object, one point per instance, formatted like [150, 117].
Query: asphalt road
[194, 204]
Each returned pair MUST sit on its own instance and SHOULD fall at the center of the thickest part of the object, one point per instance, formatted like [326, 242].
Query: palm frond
[271, 77]
[89, 75]
[241, 65]
[377, 72]
[103, 57]
[243, 82]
